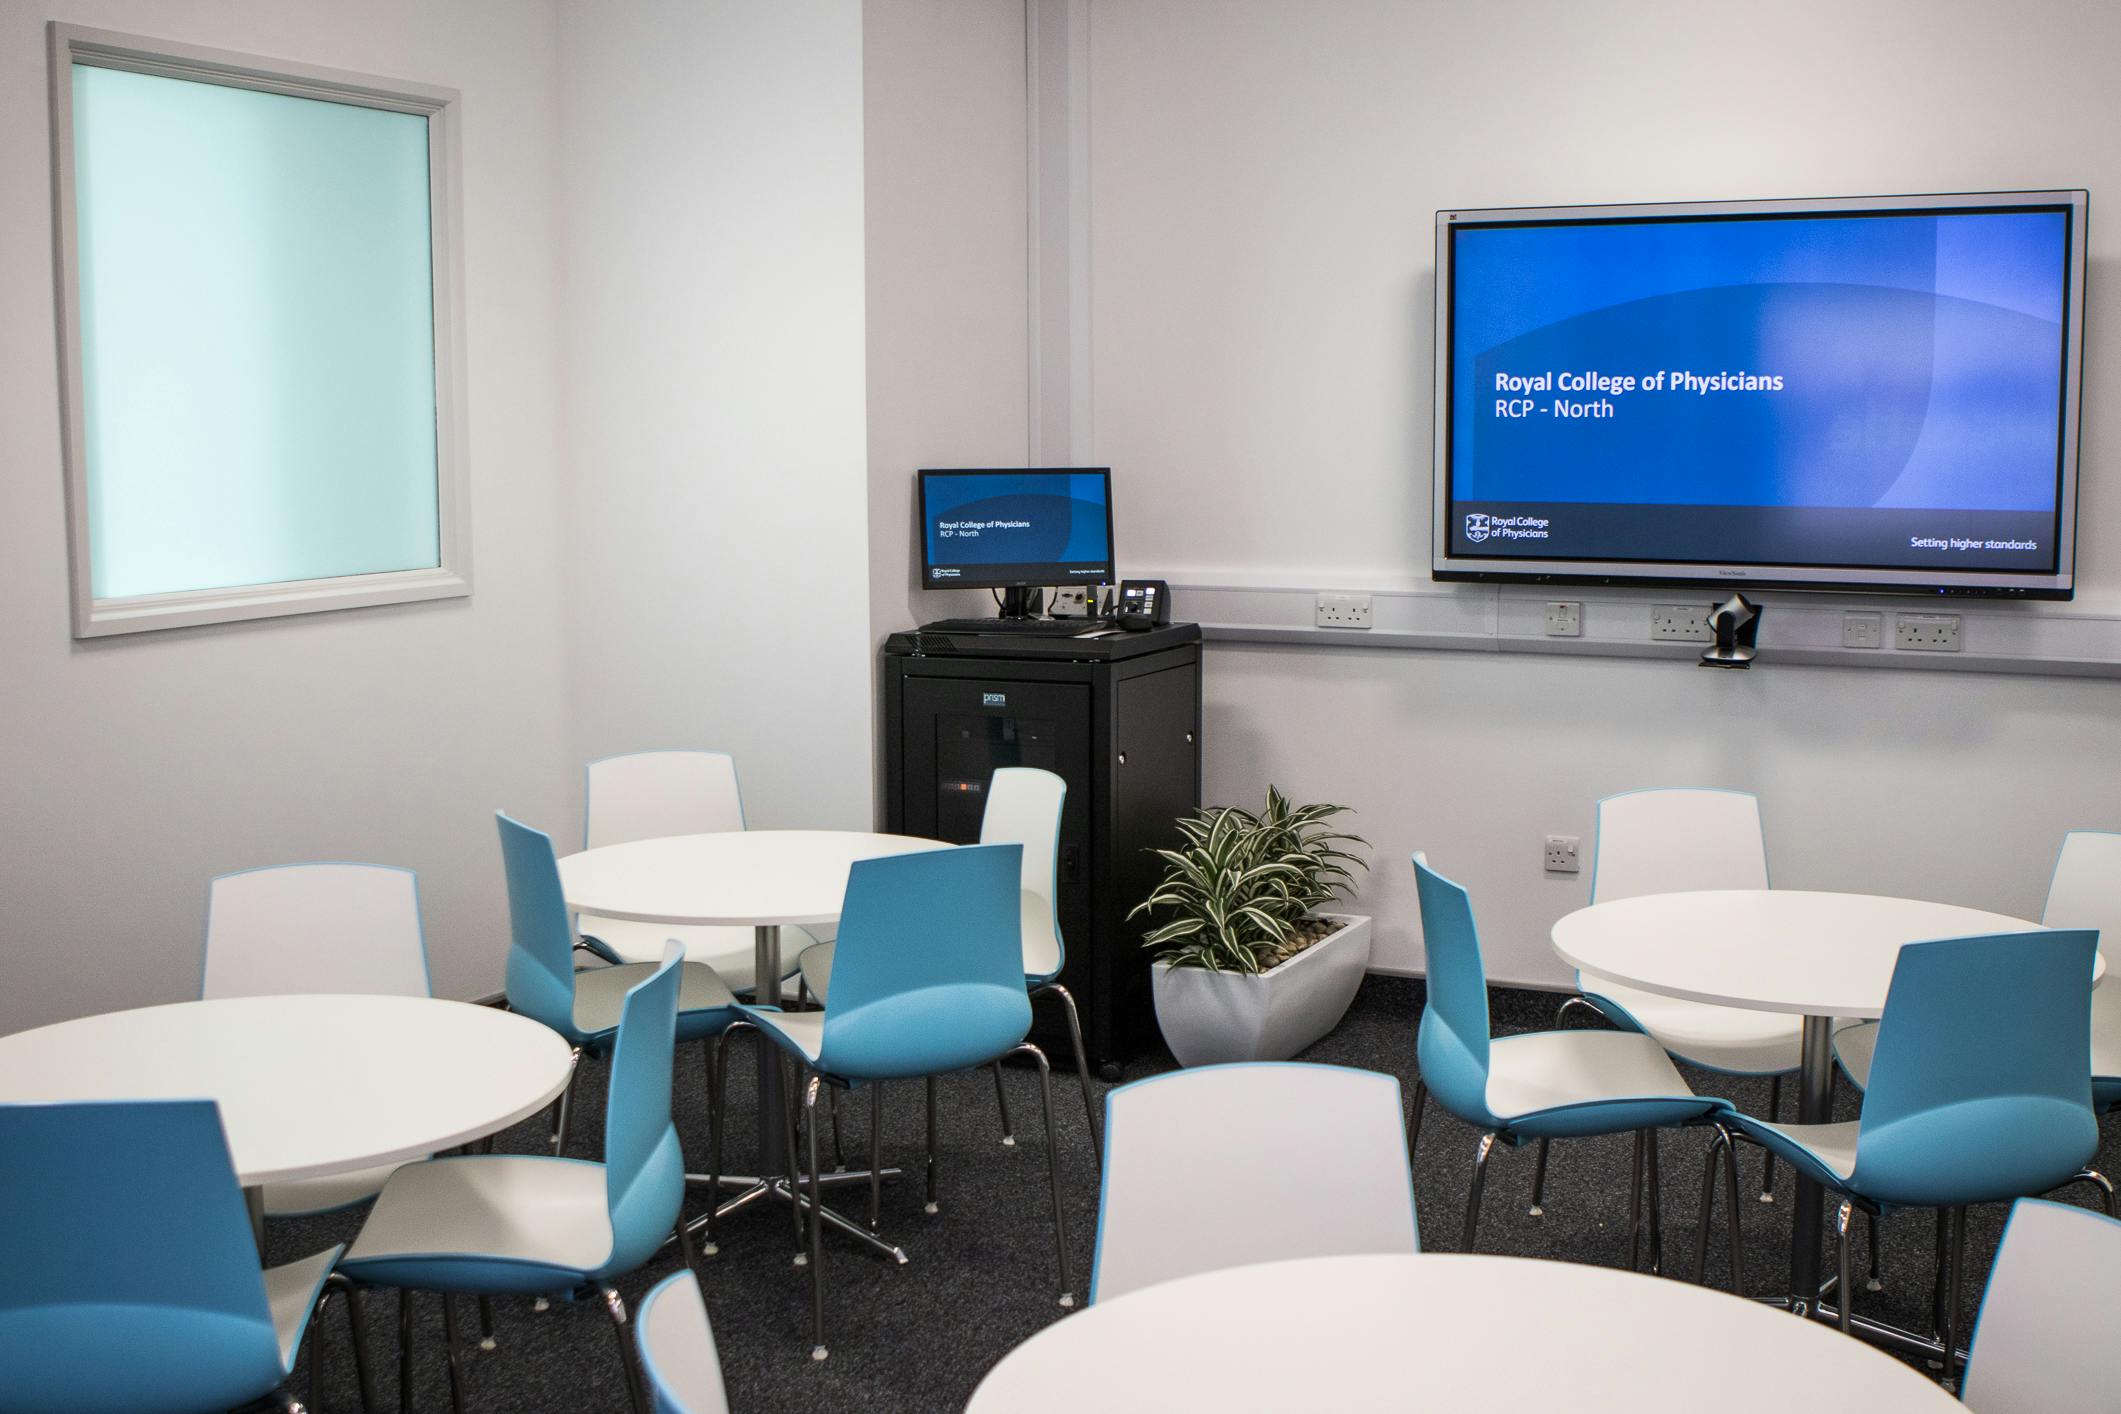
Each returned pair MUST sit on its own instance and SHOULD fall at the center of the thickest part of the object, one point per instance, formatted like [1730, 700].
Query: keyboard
[1040, 627]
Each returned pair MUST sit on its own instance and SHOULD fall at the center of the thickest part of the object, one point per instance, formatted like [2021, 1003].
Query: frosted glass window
[257, 392]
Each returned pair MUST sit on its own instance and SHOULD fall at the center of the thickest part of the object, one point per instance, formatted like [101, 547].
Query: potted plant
[1247, 966]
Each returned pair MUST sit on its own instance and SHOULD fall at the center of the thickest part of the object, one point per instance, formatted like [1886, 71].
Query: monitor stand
[1022, 603]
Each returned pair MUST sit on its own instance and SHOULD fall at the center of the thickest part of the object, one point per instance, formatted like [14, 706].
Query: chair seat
[1854, 1045]
[729, 951]
[800, 1031]
[705, 1003]
[815, 968]
[1828, 1151]
[486, 1223]
[304, 1197]
[1729, 1039]
[1561, 1084]
[291, 1291]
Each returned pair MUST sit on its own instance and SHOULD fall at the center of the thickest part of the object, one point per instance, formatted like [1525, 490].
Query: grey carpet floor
[983, 1273]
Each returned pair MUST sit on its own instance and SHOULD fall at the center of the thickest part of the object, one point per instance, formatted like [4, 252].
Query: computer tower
[1118, 719]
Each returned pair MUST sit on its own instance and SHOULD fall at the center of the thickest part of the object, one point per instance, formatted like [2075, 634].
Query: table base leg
[752, 1190]
[1815, 1102]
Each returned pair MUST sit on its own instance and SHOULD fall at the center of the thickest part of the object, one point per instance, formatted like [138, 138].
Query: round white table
[1819, 955]
[1438, 1332]
[307, 1085]
[763, 879]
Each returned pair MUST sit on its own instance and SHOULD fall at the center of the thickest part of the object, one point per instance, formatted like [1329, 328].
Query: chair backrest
[1979, 1088]
[677, 1349]
[1201, 1171]
[2086, 889]
[1677, 840]
[928, 973]
[309, 928]
[646, 795]
[1452, 1045]
[644, 1170]
[540, 980]
[1024, 807]
[132, 1279]
[2043, 1338]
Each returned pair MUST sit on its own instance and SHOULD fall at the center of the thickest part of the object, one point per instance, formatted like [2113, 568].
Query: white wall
[715, 548]
[1264, 178]
[133, 769]
[948, 298]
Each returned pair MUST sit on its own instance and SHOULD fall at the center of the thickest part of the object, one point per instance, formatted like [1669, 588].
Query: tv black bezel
[1449, 566]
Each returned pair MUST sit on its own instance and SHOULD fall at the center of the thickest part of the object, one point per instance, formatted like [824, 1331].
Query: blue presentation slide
[1848, 390]
[999, 525]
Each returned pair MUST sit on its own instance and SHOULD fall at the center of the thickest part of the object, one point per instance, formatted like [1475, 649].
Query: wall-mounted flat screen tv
[1872, 394]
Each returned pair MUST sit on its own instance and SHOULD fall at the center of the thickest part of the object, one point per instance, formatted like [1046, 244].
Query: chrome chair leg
[1539, 1180]
[1001, 1099]
[1937, 1284]
[1654, 1186]
[876, 1153]
[715, 1103]
[1421, 1097]
[1060, 1235]
[2099, 1181]
[1708, 1210]
[364, 1383]
[1578, 1003]
[1635, 1205]
[1844, 1291]
[1951, 1298]
[791, 1080]
[615, 1307]
[832, 1106]
[1871, 1221]
[1082, 1067]
[934, 1189]
[566, 1107]
[817, 1225]
[1730, 1190]
[1480, 1178]
[1767, 1162]
[456, 1357]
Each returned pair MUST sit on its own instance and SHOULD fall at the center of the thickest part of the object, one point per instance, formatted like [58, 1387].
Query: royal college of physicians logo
[1476, 527]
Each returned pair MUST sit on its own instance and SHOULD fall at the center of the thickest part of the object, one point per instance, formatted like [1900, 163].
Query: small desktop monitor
[1016, 529]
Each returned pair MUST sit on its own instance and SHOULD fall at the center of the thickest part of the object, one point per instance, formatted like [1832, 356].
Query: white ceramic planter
[1209, 1018]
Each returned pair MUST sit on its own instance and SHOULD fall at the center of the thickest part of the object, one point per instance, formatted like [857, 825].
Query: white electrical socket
[1926, 633]
[1681, 622]
[1343, 611]
[1563, 853]
[1862, 628]
[1564, 618]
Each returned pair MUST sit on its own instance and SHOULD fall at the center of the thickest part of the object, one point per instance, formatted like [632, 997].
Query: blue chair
[928, 978]
[1979, 1092]
[537, 1225]
[1023, 807]
[677, 1349]
[128, 1273]
[1544, 1084]
[584, 1007]
[1199, 1175]
[2044, 1337]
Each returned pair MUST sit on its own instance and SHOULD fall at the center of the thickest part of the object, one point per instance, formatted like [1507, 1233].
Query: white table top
[752, 878]
[308, 1085]
[1440, 1332]
[1781, 950]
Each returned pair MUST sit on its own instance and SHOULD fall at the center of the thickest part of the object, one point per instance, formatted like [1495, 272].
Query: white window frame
[451, 578]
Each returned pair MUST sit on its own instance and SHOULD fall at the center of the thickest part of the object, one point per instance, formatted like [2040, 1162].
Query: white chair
[1672, 841]
[647, 795]
[2085, 892]
[316, 928]
[1228, 1165]
[2044, 1336]
[677, 1349]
